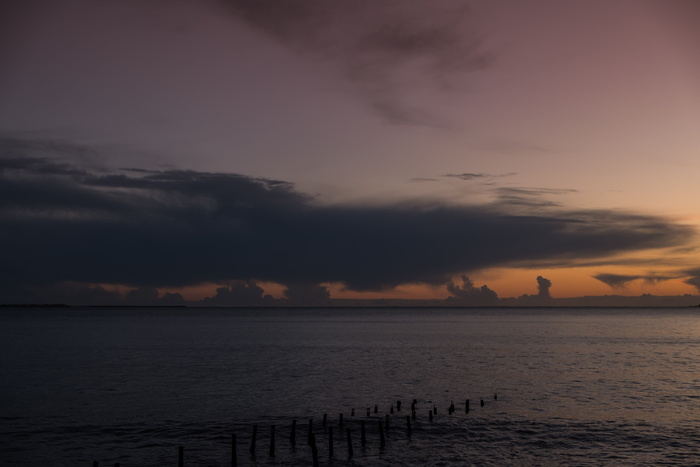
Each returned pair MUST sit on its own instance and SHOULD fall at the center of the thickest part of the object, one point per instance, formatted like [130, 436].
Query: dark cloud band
[59, 223]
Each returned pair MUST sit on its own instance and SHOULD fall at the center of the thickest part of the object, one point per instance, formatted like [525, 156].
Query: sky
[224, 150]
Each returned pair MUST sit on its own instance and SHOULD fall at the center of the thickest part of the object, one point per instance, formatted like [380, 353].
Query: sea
[164, 386]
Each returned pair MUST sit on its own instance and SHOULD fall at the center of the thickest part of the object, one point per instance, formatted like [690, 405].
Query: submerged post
[310, 433]
[363, 438]
[430, 415]
[381, 435]
[340, 419]
[272, 440]
[325, 417]
[386, 419]
[293, 435]
[234, 454]
[466, 406]
[347, 430]
[408, 424]
[180, 456]
[253, 439]
[330, 441]
[314, 450]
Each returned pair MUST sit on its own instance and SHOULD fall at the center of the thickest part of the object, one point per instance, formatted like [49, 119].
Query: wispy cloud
[386, 49]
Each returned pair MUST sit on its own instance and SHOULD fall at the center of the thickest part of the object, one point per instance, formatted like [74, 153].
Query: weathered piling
[340, 419]
[430, 415]
[381, 435]
[234, 454]
[413, 414]
[310, 432]
[466, 406]
[293, 434]
[347, 430]
[368, 411]
[272, 440]
[376, 408]
[314, 450]
[330, 441]
[253, 439]
[180, 457]
[386, 420]
[391, 409]
[398, 406]
[363, 438]
[325, 418]
[434, 410]
[482, 402]
[408, 424]
[495, 396]
[352, 412]
[95, 463]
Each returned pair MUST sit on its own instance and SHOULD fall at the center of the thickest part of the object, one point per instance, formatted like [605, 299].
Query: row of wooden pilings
[311, 437]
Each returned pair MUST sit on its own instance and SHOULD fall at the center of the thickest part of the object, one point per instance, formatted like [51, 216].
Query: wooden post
[363, 438]
[381, 435]
[234, 454]
[352, 412]
[386, 419]
[310, 433]
[95, 463]
[434, 410]
[314, 450]
[180, 456]
[391, 409]
[293, 435]
[376, 408]
[408, 424]
[430, 415]
[398, 406]
[325, 417]
[482, 402]
[330, 441]
[253, 439]
[495, 396]
[340, 419]
[466, 406]
[272, 440]
[347, 430]
[368, 411]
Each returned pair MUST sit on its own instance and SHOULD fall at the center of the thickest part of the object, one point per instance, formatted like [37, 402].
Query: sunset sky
[362, 148]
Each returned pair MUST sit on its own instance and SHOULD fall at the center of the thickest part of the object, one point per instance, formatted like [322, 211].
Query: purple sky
[562, 110]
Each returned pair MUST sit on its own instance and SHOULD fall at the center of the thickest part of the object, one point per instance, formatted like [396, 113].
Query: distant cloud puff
[60, 223]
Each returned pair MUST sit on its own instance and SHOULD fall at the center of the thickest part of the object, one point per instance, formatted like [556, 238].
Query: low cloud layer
[60, 223]
[620, 281]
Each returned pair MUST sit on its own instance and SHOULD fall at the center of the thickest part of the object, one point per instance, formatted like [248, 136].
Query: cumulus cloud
[61, 224]
[239, 293]
[376, 45]
[468, 294]
[543, 286]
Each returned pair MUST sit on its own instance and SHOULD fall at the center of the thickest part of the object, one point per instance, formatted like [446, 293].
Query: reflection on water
[129, 385]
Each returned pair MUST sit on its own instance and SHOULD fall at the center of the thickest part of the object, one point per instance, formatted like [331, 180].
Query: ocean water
[129, 386]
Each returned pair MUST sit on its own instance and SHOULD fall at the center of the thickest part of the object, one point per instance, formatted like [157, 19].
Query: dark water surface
[575, 386]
